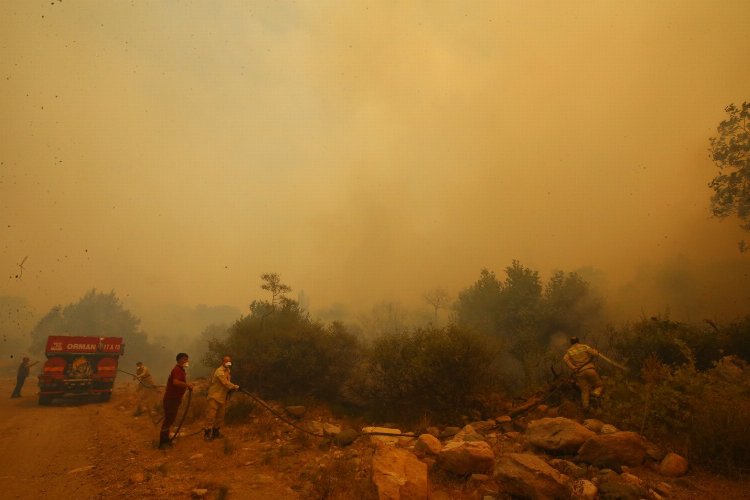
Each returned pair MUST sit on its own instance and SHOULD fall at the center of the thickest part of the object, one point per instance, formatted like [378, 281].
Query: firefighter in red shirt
[176, 387]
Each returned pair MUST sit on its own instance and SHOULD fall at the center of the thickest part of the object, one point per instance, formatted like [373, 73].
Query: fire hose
[302, 429]
[144, 384]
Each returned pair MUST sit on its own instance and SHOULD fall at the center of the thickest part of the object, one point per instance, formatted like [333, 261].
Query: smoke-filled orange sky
[175, 150]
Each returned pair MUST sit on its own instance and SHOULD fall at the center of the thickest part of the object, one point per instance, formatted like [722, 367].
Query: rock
[196, 456]
[568, 468]
[296, 411]
[449, 432]
[557, 434]
[345, 437]
[427, 444]
[608, 429]
[505, 423]
[380, 436]
[613, 450]
[433, 430]
[137, 478]
[520, 424]
[632, 479]
[654, 495]
[663, 488]
[593, 425]
[314, 427]
[483, 426]
[583, 490]
[528, 476]
[331, 429]
[673, 465]
[654, 451]
[466, 457]
[397, 474]
[504, 419]
[468, 433]
[199, 492]
[620, 490]
[406, 441]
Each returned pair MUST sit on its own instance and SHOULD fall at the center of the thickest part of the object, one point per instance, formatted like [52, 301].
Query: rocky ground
[76, 449]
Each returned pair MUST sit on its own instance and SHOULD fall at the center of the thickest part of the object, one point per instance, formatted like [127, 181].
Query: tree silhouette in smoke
[730, 151]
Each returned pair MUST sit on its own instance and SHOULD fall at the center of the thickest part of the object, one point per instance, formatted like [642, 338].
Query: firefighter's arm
[179, 383]
[223, 377]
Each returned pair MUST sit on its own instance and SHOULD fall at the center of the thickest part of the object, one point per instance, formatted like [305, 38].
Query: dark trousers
[170, 415]
[19, 385]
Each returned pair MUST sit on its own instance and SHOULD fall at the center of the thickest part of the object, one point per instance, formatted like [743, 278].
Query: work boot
[208, 434]
[215, 434]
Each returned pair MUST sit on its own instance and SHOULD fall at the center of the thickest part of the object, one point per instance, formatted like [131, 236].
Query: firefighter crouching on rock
[218, 389]
[580, 359]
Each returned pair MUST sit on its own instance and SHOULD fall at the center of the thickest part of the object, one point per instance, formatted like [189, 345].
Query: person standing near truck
[218, 390]
[143, 376]
[23, 373]
[176, 387]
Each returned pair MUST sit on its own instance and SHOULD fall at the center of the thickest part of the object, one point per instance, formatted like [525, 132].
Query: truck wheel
[44, 400]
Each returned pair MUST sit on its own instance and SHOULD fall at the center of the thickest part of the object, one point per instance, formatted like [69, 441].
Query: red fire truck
[79, 366]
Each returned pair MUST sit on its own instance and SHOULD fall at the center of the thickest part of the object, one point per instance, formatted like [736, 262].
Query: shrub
[425, 372]
[703, 414]
[670, 342]
[283, 353]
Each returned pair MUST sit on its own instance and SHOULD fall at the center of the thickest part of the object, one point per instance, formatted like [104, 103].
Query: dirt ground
[92, 450]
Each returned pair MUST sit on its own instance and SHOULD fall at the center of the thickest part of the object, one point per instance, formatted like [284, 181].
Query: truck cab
[79, 366]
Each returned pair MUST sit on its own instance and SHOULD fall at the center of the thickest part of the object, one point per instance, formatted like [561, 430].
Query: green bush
[280, 353]
[703, 414]
[670, 342]
[433, 372]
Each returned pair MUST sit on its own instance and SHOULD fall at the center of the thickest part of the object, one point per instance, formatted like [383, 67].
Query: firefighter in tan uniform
[143, 376]
[218, 389]
[580, 359]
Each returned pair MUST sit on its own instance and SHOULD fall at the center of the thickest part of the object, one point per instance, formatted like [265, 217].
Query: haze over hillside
[175, 151]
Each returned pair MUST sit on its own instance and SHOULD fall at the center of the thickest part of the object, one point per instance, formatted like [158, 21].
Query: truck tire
[44, 400]
[105, 396]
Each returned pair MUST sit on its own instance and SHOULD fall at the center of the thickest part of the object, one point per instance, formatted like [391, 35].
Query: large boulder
[385, 435]
[673, 465]
[527, 476]
[466, 457]
[399, 475]
[614, 450]
[427, 444]
[558, 434]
